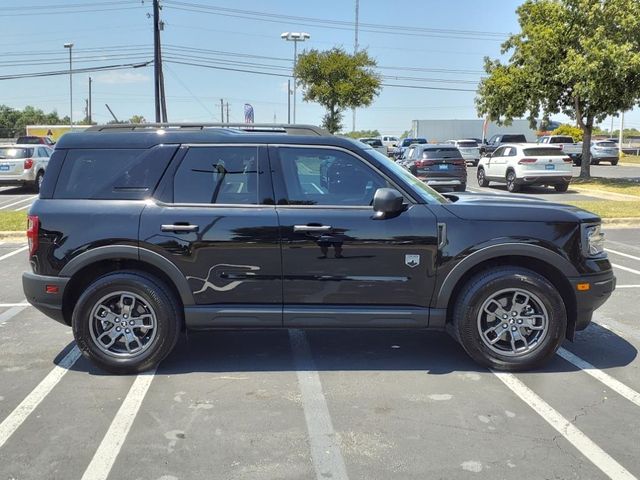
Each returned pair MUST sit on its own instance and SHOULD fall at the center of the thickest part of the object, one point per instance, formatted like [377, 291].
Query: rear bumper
[544, 179]
[50, 304]
[601, 286]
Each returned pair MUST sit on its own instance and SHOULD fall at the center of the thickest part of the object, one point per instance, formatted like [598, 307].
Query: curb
[604, 194]
[18, 237]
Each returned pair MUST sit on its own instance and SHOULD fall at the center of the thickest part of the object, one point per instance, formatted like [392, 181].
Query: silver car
[604, 151]
[469, 149]
[23, 164]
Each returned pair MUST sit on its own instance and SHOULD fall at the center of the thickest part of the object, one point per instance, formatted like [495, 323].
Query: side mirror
[387, 203]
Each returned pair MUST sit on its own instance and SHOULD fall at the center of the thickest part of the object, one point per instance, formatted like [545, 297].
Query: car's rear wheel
[482, 178]
[614, 162]
[512, 186]
[510, 318]
[595, 162]
[561, 187]
[37, 185]
[126, 322]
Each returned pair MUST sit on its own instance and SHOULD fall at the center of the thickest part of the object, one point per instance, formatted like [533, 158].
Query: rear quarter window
[111, 174]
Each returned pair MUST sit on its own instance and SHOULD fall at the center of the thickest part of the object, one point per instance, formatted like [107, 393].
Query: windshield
[408, 141]
[561, 140]
[427, 193]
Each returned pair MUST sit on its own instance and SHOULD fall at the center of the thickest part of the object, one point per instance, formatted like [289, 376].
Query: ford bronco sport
[141, 232]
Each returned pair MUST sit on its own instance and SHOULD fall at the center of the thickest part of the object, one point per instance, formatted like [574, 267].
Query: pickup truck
[497, 141]
[375, 143]
[566, 143]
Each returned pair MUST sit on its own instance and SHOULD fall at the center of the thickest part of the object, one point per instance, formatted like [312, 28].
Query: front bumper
[35, 291]
[601, 286]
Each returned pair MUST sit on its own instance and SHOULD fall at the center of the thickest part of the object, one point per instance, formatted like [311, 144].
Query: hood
[513, 208]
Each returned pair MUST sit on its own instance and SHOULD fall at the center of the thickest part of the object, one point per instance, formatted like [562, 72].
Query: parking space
[16, 198]
[320, 403]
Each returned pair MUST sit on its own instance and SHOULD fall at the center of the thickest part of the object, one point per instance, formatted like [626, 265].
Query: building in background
[54, 132]
[443, 130]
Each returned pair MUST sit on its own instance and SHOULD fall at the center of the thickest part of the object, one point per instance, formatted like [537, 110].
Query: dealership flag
[248, 113]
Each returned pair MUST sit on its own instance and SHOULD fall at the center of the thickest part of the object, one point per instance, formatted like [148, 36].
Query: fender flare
[496, 251]
[130, 252]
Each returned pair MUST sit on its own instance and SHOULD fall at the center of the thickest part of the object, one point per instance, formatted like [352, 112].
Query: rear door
[216, 221]
[340, 265]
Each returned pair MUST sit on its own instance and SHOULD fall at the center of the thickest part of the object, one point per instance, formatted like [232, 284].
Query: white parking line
[627, 286]
[615, 385]
[325, 450]
[622, 254]
[7, 305]
[572, 434]
[24, 208]
[29, 404]
[109, 448]
[626, 269]
[15, 252]
[18, 202]
[15, 309]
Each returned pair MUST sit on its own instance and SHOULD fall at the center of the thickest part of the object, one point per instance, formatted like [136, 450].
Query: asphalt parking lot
[320, 404]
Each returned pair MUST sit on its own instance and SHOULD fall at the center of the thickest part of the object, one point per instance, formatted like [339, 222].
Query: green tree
[569, 130]
[577, 57]
[363, 134]
[137, 119]
[337, 81]
[13, 122]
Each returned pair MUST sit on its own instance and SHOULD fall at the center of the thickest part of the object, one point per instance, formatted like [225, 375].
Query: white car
[526, 164]
[469, 149]
[390, 142]
[24, 164]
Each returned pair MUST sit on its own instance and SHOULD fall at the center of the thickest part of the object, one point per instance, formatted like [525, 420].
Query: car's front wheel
[482, 178]
[510, 318]
[126, 322]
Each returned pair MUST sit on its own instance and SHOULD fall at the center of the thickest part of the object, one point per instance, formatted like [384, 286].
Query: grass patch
[610, 208]
[631, 159]
[616, 185]
[13, 221]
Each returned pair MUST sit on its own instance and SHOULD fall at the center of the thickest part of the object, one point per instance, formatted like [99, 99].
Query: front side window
[315, 176]
[499, 152]
[218, 175]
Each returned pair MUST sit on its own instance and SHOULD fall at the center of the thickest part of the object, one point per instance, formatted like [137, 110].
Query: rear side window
[561, 140]
[8, 153]
[110, 174]
[441, 152]
[514, 139]
[223, 175]
[542, 151]
[467, 144]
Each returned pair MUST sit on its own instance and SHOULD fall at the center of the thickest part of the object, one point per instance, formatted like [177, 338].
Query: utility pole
[289, 101]
[221, 111]
[86, 108]
[160, 101]
[355, 50]
[227, 112]
[90, 113]
[621, 130]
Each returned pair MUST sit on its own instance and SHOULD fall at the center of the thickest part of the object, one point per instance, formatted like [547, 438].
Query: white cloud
[120, 78]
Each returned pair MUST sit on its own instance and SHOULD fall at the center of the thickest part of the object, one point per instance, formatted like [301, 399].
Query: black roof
[150, 136]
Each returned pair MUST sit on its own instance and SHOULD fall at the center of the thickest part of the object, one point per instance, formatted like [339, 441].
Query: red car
[34, 140]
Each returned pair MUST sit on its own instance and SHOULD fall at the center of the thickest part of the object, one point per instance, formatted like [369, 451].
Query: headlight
[593, 241]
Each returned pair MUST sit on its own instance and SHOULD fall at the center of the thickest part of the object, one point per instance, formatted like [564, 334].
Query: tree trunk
[585, 167]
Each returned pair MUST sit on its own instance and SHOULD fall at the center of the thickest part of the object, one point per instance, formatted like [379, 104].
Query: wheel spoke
[519, 306]
[105, 314]
[499, 310]
[517, 336]
[498, 331]
[127, 304]
[112, 334]
[139, 322]
[531, 322]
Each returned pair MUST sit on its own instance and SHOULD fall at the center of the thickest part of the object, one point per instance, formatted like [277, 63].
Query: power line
[49, 13]
[77, 70]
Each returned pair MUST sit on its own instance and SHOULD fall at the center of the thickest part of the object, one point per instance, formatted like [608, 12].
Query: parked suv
[500, 139]
[23, 165]
[438, 165]
[142, 232]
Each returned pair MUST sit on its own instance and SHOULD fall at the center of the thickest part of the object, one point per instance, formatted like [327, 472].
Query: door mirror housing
[387, 203]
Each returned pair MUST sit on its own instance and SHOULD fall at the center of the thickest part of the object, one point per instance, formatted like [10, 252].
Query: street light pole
[295, 37]
[70, 47]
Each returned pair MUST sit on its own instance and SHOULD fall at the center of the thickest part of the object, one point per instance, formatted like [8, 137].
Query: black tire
[460, 188]
[38, 182]
[512, 186]
[153, 292]
[561, 187]
[482, 178]
[479, 289]
[595, 162]
[577, 161]
[614, 162]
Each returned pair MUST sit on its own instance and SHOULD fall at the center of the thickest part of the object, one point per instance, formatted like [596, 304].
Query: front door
[341, 266]
[219, 227]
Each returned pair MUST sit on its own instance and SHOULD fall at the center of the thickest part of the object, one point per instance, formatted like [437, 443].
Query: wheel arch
[555, 268]
[97, 262]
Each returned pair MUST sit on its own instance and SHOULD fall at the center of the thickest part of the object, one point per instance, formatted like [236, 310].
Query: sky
[417, 43]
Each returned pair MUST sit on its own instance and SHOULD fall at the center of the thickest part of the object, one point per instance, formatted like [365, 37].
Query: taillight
[28, 163]
[33, 229]
[425, 163]
[567, 160]
[527, 160]
[459, 162]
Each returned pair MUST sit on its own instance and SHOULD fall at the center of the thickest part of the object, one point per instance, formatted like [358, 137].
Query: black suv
[497, 140]
[142, 232]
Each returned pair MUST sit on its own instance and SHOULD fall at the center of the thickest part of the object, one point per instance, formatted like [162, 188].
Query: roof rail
[289, 129]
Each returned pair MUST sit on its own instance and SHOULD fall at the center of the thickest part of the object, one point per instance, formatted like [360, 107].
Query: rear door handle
[179, 228]
[311, 228]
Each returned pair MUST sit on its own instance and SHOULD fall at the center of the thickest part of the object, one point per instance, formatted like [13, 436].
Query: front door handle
[312, 228]
[179, 228]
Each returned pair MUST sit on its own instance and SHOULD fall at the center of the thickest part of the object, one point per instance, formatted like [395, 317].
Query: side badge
[412, 260]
